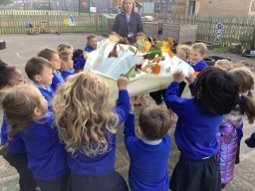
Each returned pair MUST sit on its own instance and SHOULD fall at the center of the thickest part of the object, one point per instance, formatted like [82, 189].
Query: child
[198, 52]
[183, 52]
[53, 57]
[40, 70]
[13, 148]
[91, 43]
[79, 60]
[227, 65]
[149, 154]
[87, 126]
[26, 112]
[215, 93]
[245, 78]
[65, 52]
[228, 139]
[224, 64]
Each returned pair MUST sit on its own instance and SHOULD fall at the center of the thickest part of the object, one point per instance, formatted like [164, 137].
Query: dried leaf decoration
[113, 53]
[143, 44]
[167, 46]
[155, 69]
[114, 38]
[131, 73]
[121, 48]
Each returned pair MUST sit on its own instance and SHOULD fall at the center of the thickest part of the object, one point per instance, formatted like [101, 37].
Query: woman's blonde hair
[122, 5]
[83, 116]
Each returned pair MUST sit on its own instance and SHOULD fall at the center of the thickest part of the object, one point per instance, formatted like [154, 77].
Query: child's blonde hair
[83, 116]
[19, 103]
[201, 47]
[186, 49]
[64, 51]
[224, 64]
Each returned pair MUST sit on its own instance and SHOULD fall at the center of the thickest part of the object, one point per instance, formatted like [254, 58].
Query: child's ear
[38, 112]
[37, 78]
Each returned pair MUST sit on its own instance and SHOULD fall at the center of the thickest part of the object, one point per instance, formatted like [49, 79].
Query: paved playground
[22, 47]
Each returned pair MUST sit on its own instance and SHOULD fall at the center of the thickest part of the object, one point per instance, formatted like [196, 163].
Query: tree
[5, 2]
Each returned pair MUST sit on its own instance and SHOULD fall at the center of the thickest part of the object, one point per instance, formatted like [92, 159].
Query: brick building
[220, 7]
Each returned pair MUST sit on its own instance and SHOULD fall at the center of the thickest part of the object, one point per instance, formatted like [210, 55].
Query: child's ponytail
[247, 106]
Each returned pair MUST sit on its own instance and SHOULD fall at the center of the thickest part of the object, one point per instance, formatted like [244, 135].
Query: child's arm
[129, 130]
[172, 98]
[123, 103]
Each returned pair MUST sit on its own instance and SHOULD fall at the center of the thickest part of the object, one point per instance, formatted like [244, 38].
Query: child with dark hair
[26, 113]
[149, 153]
[229, 143]
[53, 57]
[12, 146]
[215, 92]
[78, 59]
[40, 71]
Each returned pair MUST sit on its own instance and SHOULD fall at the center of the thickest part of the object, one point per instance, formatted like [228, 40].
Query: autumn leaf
[155, 69]
[113, 53]
[143, 44]
[131, 49]
[167, 46]
[114, 38]
[158, 59]
[121, 48]
[131, 73]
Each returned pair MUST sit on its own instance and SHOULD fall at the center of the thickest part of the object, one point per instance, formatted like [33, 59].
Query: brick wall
[224, 7]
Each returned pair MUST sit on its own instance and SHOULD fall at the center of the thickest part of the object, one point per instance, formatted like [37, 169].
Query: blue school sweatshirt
[88, 48]
[198, 67]
[46, 155]
[66, 73]
[57, 80]
[48, 93]
[101, 164]
[196, 130]
[148, 168]
[16, 145]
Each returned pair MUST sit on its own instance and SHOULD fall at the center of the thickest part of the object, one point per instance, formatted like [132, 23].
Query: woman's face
[128, 6]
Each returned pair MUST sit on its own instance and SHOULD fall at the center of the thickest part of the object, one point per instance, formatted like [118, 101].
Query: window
[192, 7]
[252, 8]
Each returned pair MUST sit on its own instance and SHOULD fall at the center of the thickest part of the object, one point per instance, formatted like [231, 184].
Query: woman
[128, 24]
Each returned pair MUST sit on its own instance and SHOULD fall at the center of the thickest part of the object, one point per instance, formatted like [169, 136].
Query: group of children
[60, 132]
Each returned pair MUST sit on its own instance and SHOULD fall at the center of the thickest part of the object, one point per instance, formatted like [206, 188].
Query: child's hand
[144, 100]
[122, 83]
[178, 76]
[85, 55]
[190, 78]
